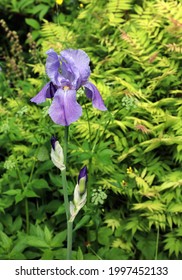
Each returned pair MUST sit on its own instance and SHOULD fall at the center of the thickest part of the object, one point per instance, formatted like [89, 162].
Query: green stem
[90, 161]
[89, 181]
[32, 171]
[157, 245]
[69, 239]
[65, 193]
[26, 201]
[89, 127]
[95, 253]
[66, 144]
[66, 199]
[27, 215]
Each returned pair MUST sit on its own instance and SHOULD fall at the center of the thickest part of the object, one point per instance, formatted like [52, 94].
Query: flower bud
[80, 194]
[82, 179]
[57, 155]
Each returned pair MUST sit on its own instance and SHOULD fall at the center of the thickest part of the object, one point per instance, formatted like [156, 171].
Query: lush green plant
[134, 150]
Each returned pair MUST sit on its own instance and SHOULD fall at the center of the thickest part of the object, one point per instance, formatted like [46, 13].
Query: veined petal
[64, 109]
[47, 91]
[93, 93]
[81, 61]
[53, 66]
[70, 74]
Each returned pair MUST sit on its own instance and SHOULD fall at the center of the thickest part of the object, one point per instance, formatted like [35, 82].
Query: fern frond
[110, 184]
[149, 205]
[174, 48]
[56, 37]
[123, 244]
[115, 10]
[168, 8]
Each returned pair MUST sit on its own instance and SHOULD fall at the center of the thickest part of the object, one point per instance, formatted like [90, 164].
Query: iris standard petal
[53, 66]
[47, 91]
[81, 61]
[64, 109]
[70, 74]
[93, 93]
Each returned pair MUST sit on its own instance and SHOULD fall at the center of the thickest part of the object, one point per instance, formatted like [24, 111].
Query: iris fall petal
[64, 109]
[93, 93]
[47, 91]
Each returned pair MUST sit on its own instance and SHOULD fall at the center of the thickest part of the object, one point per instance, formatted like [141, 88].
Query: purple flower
[68, 72]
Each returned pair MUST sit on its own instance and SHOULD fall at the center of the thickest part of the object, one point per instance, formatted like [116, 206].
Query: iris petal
[70, 74]
[47, 91]
[64, 109]
[93, 93]
[53, 66]
[83, 173]
[81, 61]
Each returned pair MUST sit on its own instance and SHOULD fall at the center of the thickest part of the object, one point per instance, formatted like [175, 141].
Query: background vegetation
[133, 150]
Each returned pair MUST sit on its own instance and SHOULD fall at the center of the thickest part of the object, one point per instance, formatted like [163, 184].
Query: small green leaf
[79, 254]
[5, 241]
[19, 197]
[43, 154]
[56, 180]
[29, 193]
[59, 239]
[13, 192]
[84, 220]
[60, 210]
[144, 172]
[6, 202]
[34, 241]
[104, 235]
[47, 255]
[48, 234]
[147, 246]
[38, 184]
[175, 208]
[17, 224]
[33, 23]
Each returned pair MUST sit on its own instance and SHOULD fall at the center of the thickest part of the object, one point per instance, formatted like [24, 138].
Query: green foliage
[134, 150]
[38, 8]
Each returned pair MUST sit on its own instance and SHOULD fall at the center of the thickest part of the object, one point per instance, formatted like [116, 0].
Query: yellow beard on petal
[66, 88]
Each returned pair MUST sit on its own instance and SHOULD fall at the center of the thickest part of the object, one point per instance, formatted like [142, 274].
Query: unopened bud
[57, 155]
[80, 194]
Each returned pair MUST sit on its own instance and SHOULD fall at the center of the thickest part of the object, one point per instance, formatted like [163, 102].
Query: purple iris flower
[68, 72]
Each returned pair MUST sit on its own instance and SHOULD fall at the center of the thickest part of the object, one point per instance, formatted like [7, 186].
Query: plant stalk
[69, 239]
[65, 148]
[157, 245]
[66, 199]
[65, 193]
[26, 201]
[90, 161]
